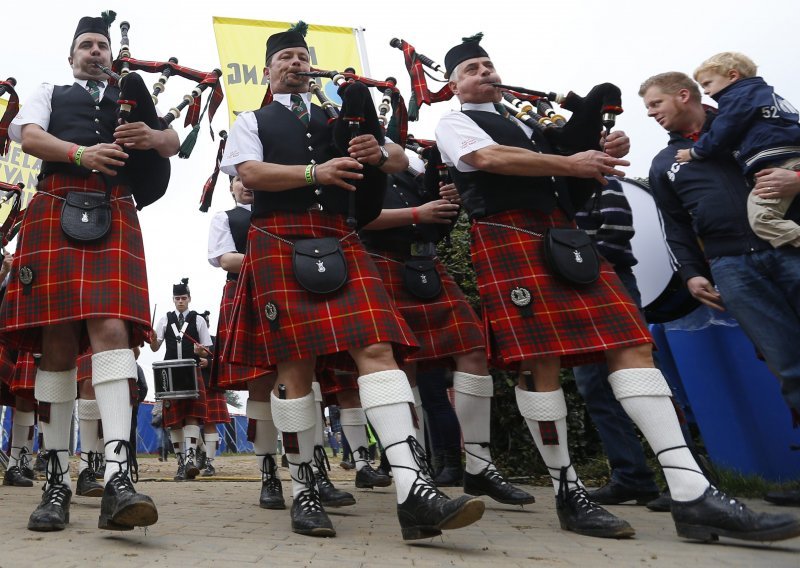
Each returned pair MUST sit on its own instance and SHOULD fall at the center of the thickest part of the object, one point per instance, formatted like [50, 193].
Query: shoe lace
[55, 494]
[322, 465]
[725, 498]
[577, 496]
[129, 466]
[308, 500]
[423, 470]
[54, 474]
[268, 472]
[490, 471]
[24, 458]
[363, 455]
[97, 461]
[190, 455]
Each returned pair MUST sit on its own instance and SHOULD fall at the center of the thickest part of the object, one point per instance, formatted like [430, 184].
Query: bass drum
[664, 296]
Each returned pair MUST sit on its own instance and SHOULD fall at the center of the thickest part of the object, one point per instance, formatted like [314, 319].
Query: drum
[175, 379]
[664, 295]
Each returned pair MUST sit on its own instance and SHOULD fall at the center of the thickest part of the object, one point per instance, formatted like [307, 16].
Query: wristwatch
[384, 156]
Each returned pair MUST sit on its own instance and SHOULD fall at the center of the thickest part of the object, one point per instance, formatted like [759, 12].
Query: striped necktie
[299, 109]
[94, 89]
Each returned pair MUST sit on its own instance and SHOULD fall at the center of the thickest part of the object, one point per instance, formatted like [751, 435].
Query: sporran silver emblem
[271, 311]
[520, 296]
[321, 266]
[85, 217]
[578, 257]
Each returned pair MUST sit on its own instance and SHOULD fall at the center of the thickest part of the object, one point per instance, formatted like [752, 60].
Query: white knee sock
[21, 436]
[547, 408]
[265, 440]
[297, 415]
[111, 371]
[212, 443]
[59, 388]
[176, 437]
[89, 426]
[191, 433]
[385, 396]
[354, 426]
[474, 411]
[644, 394]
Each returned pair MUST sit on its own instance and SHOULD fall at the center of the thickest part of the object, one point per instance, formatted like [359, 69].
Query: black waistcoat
[186, 344]
[484, 193]
[287, 141]
[239, 222]
[76, 118]
[404, 190]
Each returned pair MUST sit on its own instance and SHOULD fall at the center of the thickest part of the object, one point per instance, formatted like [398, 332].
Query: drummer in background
[706, 201]
[183, 329]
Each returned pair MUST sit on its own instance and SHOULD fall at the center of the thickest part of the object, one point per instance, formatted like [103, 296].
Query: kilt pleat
[75, 281]
[225, 375]
[444, 326]
[216, 407]
[307, 325]
[576, 324]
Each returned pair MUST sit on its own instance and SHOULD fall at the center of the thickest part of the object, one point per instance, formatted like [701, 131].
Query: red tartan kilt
[177, 410]
[85, 367]
[224, 375]
[21, 381]
[444, 326]
[8, 363]
[335, 374]
[307, 325]
[71, 281]
[216, 407]
[576, 324]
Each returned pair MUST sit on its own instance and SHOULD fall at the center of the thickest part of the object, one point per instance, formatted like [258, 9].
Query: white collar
[486, 107]
[286, 99]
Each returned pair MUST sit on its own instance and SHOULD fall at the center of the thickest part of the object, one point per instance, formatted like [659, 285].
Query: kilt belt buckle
[316, 206]
[424, 249]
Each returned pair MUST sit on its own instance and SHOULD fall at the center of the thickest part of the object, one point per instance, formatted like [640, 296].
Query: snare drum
[175, 379]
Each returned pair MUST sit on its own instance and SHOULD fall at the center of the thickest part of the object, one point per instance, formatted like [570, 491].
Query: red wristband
[414, 216]
[798, 173]
[71, 153]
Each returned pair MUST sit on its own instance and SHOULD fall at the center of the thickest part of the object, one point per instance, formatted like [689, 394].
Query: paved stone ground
[218, 523]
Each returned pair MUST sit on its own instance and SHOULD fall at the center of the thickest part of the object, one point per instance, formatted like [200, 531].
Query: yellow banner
[18, 167]
[242, 47]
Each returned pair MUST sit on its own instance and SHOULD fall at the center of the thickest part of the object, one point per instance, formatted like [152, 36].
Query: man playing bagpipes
[516, 193]
[80, 279]
[307, 288]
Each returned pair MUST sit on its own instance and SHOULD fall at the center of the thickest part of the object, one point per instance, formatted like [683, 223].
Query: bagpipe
[149, 172]
[357, 116]
[12, 108]
[420, 93]
[436, 172]
[11, 225]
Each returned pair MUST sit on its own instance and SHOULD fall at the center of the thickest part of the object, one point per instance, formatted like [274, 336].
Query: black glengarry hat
[90, 25]
[181, 289]
[468, 49]
[293, 37]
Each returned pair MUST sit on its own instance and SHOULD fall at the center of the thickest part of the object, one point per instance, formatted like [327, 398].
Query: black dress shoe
[208, 470]
[181, 473]
[615, 494]
[452, 472]
[788, 498]
[491, 482]
[347, 464]
[15, 478]
[87, 484]
[426, 512]
[122, 508]
[367, 478]
[309, 517]
[715, 514]
[52, 514]
[271, 488]
[662, 503]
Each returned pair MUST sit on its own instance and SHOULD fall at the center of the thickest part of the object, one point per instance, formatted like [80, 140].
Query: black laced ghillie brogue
[367, 477]
[122, 508]
[491, 483]
[308, 515]
[87, 482]
[715, 514]
[191, 468]
[271, 488]
[52, 514]
[427, 512]
[329, 495]
[577, 512]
